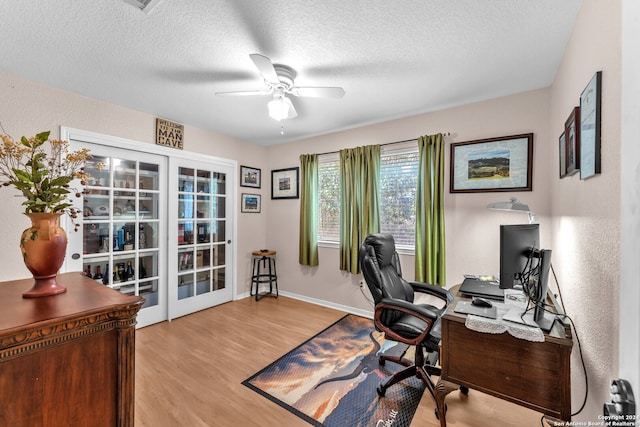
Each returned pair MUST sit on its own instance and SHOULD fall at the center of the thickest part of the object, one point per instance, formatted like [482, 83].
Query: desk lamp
[514, 205]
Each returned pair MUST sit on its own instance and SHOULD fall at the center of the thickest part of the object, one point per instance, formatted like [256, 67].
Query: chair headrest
[384, 247]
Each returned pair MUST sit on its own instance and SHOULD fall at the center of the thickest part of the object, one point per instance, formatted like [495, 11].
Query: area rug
[330, 380]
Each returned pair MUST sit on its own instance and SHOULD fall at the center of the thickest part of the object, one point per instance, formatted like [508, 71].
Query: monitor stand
[515, 315]
[546, 321]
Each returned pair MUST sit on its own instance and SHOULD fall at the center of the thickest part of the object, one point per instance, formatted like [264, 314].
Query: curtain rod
[386, 143]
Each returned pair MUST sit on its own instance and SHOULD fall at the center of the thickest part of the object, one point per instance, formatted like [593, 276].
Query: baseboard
[328, 304]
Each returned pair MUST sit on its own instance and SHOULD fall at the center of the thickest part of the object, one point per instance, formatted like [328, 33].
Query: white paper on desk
[515, 298]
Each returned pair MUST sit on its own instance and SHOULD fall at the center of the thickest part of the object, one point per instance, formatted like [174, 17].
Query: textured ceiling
[393, 59]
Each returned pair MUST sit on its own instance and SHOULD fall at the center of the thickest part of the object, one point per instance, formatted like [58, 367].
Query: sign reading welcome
[169, 134]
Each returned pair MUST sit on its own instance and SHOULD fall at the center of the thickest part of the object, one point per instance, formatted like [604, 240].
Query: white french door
[123, 226]
[155, 224]
[200, 212]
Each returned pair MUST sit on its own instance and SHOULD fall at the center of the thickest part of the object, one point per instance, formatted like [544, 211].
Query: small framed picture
[249, 177]
[284, 183]
[250, 203]
[562, 154]
[493, 164]
[572, 142]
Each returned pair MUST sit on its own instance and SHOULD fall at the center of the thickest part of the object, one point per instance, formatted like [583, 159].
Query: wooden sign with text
[169, 134]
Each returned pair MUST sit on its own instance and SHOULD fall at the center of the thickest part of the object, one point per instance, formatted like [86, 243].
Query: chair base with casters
[417, 368]
[421, 368]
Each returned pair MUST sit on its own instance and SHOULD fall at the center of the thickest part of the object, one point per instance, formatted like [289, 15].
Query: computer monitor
[516, 245]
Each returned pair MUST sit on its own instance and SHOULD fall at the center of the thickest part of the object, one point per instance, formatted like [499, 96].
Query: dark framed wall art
[492, 164]
[590, 106]
[562, 155]
[249, 177]
[250, 203]
[572, 142]
[284, 183]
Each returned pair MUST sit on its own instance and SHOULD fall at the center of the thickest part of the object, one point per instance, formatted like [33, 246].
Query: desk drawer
[535, 375]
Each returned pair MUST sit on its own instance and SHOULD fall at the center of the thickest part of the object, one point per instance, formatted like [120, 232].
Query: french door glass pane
[201, 236]
[121, 226]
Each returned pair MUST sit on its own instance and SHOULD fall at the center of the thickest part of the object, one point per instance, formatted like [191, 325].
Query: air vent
[143, 5]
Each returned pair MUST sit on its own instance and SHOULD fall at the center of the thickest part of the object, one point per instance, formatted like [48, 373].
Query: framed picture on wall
[284, 183]
[492, 164]
[250, 203]
[562, 155]
[590, 105]
[249, 177]
[572, 142]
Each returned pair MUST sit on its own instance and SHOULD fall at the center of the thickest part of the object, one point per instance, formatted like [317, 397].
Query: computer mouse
[481, 302]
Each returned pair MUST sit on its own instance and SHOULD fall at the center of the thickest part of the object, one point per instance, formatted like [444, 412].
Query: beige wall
[472, 230]
[586, 214]
[28, 108]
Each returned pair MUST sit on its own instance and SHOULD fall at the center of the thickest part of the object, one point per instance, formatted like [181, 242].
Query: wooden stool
[264, 271]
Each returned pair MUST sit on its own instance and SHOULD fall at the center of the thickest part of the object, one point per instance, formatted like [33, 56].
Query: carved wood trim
[126, 376]
[50, 334]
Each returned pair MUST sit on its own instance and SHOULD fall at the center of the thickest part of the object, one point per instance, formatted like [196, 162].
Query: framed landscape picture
[249, 177]
[284, 183]
[492, 164]
[250, 203]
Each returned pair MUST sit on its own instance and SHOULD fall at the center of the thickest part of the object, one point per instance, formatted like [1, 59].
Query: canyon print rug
[330, 380]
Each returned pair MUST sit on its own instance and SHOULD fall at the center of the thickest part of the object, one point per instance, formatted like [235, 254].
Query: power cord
[365, 296]
[529, 277]
[575, 331]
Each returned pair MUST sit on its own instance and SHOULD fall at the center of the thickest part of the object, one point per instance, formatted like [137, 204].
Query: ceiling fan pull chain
[281, 127]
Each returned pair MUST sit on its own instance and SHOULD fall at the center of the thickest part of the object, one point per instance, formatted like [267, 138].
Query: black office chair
[397, 316]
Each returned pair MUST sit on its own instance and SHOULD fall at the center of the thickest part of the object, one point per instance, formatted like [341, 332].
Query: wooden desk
[67, 359]
[535, 375]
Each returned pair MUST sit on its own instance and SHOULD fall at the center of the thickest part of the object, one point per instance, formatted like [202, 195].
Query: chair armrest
[437, 291]
[415, 310]
[421, 312]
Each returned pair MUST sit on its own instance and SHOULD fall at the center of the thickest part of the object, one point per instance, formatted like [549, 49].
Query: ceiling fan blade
[245, 93]
[265, 66]
[292, 112]
[318, 92]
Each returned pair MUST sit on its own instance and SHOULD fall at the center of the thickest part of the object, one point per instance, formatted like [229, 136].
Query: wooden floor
[189, 371]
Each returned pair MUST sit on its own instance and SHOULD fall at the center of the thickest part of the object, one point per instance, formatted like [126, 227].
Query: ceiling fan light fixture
[281, 108]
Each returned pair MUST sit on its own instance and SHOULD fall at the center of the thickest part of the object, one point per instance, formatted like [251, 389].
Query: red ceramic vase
[43, 246]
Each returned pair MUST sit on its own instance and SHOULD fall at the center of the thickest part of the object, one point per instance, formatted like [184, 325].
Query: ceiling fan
[280, 82]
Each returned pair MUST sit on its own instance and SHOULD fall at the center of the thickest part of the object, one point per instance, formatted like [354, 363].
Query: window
[329, 198]
[398, 183]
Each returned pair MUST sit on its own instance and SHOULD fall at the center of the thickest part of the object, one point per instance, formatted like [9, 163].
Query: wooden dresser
[68, 359]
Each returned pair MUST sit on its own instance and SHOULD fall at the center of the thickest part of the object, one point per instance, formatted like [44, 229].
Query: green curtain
[308, 250]
[430, 241]
[359, 201]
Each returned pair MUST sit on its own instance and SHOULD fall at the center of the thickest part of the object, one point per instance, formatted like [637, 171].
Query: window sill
[327, 244]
